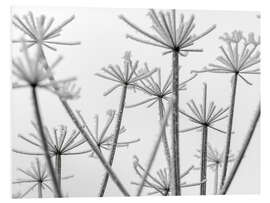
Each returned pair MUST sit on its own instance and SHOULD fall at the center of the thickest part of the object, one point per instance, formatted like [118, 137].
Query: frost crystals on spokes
[101, 138]
[125, 76]
[240, 57]
[169, 33]
[39, 30]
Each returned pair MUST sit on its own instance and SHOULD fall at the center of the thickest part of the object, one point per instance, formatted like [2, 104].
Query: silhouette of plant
[124, 78]
[59, 144]
[159, 93]
[238, 59]
[176, 38]
[204, 117]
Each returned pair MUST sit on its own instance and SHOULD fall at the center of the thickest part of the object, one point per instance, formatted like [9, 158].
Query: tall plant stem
[155, 149]
[242, 151]
[204, 160]
[86, 136]
[229, 130]
[115, 139]
[58, 169]
[57, 189]
[40, 190]
[164, 137]
[176, 189]
[216, 179]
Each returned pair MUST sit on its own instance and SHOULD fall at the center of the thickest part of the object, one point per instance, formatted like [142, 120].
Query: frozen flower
[126, 76]
[202, 115]
[154, 88]
[169, 33]
[239, 57]
[161, 183]
[60, 142]
[36, 176]
[101, 137]
[39, 30]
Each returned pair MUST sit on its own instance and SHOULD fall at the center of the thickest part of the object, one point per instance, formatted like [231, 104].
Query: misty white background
[103, 42]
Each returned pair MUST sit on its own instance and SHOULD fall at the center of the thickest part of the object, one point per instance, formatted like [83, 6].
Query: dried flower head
[154, 88]
[202, 115]
[60, 143]
[214, 157]
[101, 137]
[239, 57]
[36, 175]
[169, 33]
[39, 30]
[127, 76]
[161, 183]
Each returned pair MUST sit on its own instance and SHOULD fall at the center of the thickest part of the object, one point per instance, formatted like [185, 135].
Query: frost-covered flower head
[125, 76]
[34, 176]
[169, 32]
[160, 183]
[214, 157]
[60, 141]
[239, 57]
[40, 31]
[157, 89]
[203, 115]
[101, 137]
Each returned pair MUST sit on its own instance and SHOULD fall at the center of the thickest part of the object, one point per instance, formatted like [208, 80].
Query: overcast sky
[103, 42]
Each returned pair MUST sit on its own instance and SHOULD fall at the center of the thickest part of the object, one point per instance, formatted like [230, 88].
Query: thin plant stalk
[40, 195]
[216, 179]
[204, 146]
[242, 152]
[156, 146]
[57, 189]
[204, 160]
[93, 146]
[229, 130]
[115, 140]
[176, 184]
[58, 169]
[164, 137]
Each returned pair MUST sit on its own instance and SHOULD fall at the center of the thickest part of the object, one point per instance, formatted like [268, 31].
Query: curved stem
[203, 161]
[86, 136]
[164, 137]
[216, 179]
[44, 141]
[229, 130]
[58, 169]
[176, 183]
[115, 139]
[242, 151]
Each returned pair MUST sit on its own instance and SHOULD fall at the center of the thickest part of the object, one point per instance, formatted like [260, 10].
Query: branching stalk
[115, 140]
[86, 136]
[229, 130]
[57, 189]
[242, 152]
[176, 189]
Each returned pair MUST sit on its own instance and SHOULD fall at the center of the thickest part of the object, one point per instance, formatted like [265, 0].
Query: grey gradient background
[103, 42]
